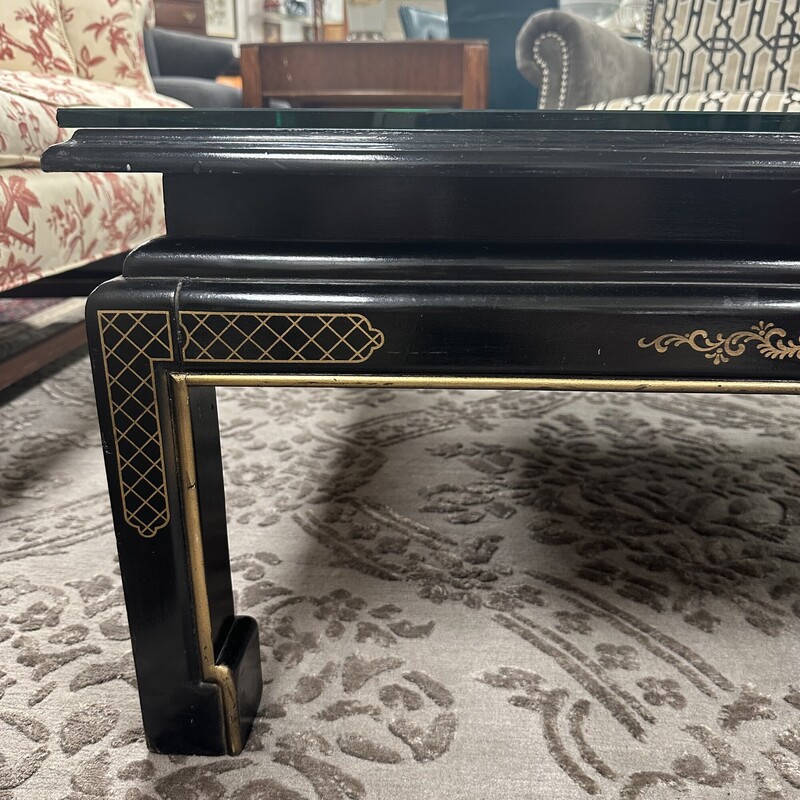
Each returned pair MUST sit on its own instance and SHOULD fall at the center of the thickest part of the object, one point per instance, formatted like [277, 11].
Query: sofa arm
[199, 92]
[575, 62]
[190, 55]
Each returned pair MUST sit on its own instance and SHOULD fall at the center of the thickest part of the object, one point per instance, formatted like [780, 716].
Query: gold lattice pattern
[278, 338]
[132, 342]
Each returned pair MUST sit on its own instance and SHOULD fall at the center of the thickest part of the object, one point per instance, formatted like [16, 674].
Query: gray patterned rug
[461, 595]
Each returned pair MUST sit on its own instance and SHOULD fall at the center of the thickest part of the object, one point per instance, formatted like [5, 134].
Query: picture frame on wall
[220, 18]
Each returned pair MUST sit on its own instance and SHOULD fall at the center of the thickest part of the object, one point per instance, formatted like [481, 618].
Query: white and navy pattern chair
[725, 55]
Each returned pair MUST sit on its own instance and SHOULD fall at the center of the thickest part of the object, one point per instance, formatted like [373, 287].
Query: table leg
[197, 665]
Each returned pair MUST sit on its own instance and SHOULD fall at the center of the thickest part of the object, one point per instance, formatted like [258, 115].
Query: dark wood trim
[42, 354]
[251, 76]
[369, 98]
[475, 80]
[78, 282]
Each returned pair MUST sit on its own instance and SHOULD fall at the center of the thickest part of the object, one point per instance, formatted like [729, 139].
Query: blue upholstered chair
[498, 21]
[421, 24]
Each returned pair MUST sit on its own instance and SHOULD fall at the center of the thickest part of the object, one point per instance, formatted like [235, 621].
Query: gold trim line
[212, 672]
[732, 386]
[219, 674]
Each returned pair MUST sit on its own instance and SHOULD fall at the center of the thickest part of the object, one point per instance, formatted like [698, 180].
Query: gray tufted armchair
[721, 55]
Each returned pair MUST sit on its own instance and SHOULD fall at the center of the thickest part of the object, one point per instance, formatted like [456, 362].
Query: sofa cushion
[53, 222]
[33, 37]
[730, 45]
[705, 101]
[106, 40]
[28, 105]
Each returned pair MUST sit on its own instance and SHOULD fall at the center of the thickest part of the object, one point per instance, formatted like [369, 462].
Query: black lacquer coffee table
[635, 252]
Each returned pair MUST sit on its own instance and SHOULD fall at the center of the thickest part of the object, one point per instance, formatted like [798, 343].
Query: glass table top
[256, 118]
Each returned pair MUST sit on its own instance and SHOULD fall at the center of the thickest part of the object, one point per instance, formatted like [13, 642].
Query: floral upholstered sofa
[54, 54]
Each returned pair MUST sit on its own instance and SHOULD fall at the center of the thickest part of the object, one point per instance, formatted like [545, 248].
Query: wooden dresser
[410, 74]
[181, 15]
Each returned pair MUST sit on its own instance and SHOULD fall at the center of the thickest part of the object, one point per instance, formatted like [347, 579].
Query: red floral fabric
[28, 105]
[33, 37]
[106, 40]
[53, 222]
[60, 53]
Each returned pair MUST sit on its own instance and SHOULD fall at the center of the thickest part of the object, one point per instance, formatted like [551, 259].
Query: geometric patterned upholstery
[728, 45]
[781, 102]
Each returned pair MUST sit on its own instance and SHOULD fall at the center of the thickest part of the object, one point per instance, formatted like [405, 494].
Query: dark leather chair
[499, 21]
[184, 66]
[421, 24]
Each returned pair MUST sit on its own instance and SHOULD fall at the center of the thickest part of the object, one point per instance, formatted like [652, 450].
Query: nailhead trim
[543, 66]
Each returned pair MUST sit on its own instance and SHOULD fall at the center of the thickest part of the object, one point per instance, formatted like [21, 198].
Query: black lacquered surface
[488, 310]
[428, 120]
[432, 154]
[288, 263]
[564, 248]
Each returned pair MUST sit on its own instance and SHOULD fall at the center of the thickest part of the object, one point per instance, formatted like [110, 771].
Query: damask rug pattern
[460, 594]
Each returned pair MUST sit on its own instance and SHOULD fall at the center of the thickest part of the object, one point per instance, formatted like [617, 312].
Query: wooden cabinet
[412, 74]
[181, 15]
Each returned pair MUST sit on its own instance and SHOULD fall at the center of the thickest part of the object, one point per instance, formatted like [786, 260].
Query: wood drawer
[181, 16]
